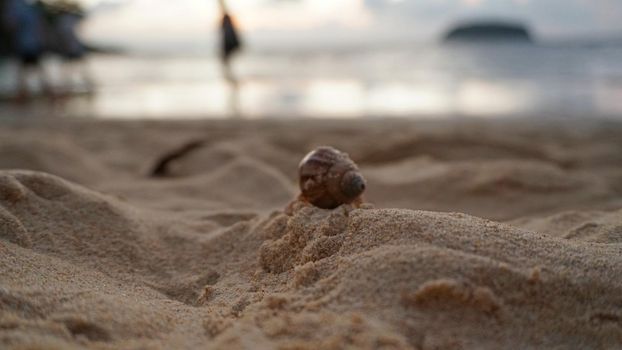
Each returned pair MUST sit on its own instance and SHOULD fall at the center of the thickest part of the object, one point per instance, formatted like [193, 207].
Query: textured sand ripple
[107, 258]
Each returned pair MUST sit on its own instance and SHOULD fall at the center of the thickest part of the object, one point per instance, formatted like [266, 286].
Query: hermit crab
[328, 178]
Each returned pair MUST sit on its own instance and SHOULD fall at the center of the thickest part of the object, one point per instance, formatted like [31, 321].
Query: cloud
[472, 2]
[304, 21]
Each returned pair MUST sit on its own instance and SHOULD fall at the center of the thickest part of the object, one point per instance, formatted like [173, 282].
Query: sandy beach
[479, 234]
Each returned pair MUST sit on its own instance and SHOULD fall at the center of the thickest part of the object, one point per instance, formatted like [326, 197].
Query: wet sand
[479, 234]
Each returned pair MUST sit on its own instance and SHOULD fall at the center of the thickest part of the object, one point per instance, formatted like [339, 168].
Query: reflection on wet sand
[429, 82]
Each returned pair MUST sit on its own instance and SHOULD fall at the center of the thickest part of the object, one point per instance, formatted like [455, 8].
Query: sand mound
[598, 227]
[241, 183]
[100, 271]
[208, 258]
[54, 155]
[463, 144]
[218, 154]
[524, 187]
[57, 218]
[436, 270]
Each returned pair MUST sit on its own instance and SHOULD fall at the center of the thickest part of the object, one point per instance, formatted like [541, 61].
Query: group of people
[32, 29]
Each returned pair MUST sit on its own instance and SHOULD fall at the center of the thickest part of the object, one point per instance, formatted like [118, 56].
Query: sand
[479, 235]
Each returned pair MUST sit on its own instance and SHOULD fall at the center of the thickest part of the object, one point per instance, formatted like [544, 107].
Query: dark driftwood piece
[162, 165]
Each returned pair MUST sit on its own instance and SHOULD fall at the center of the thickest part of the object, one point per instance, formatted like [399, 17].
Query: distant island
[489, 32]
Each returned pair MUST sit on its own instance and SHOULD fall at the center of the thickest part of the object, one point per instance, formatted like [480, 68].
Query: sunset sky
[316, 22]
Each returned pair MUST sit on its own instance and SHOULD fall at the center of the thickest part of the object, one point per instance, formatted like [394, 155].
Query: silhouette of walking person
[230, 44]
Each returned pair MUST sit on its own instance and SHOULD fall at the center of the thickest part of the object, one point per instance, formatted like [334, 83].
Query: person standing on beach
[26, 25]
[230, 44]
[67, 16]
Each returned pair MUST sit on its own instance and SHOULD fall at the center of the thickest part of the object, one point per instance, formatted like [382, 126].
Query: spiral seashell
[328, 178]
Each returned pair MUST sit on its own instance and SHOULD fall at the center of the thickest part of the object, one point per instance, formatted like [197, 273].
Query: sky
[287, 23]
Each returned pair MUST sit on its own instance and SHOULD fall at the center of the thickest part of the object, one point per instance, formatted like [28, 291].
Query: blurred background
[338, 58]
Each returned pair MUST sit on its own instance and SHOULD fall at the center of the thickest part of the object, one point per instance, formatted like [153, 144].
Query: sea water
[428, 81]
